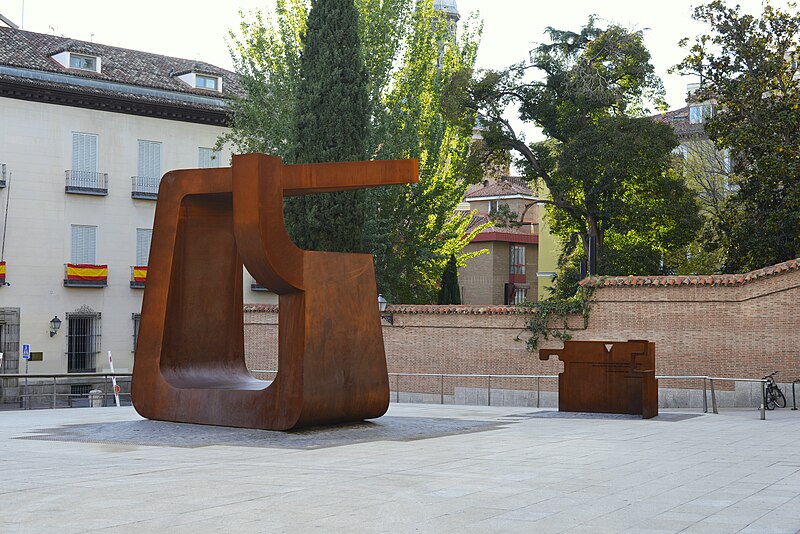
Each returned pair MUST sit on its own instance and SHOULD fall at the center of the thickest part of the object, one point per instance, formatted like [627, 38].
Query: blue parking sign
[26, 352]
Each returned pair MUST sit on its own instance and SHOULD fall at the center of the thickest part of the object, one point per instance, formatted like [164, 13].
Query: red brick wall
[744, 329]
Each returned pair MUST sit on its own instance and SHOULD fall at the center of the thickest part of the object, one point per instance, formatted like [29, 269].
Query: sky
[198, 30]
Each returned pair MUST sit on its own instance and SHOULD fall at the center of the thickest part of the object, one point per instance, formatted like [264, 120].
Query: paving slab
[420, 468]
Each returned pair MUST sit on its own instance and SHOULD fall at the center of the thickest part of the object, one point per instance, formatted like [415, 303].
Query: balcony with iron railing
[87, 183]
[138, 276]
[144, 187]
[85, 275]
[2, 174]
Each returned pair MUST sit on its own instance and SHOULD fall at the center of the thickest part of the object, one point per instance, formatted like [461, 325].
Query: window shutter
[143, 238]
[84, 242]
[149, 159]
[84, 152]
[204, 158]
[208, 158]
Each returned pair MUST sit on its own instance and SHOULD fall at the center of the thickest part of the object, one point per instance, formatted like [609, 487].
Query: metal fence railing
[145, 186]
[52, 381]
[86, 182]
[46, 386]
[708, 385]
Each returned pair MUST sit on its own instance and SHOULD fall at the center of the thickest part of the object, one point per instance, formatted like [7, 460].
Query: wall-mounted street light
[386, 316]
[55, 324]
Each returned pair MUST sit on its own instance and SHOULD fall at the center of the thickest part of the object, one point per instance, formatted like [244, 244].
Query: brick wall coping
[423, 309]
[692, 280]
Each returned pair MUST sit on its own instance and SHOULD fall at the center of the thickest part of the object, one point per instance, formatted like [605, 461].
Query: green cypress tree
[330, 124]
[449, 293]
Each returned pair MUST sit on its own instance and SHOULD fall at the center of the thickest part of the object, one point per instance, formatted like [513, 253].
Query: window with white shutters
[84, 152]
[143, 238]
[149, 159]
[208, 158]
[84, 241]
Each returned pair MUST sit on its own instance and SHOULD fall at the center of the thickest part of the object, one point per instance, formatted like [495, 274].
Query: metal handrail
[145, 184]
[88, 180]
[708, 383]
[55, 376]
[63, 375]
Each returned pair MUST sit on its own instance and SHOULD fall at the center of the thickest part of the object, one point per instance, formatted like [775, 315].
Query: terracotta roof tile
[29, 50]
[423, 309]
[679, 120]
[694, 280]
[501, 188]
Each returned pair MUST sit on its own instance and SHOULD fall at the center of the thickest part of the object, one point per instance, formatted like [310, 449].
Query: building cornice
[116, 102]
[531, 239]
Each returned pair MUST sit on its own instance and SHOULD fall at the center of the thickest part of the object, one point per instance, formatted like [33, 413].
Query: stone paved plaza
[421, 468]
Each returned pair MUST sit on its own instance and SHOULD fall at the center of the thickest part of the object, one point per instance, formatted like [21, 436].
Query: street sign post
[113, 379]
[26, 355]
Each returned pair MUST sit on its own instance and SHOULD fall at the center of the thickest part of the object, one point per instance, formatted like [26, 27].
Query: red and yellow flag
[2, 270]
[140, 273]
[93, 273]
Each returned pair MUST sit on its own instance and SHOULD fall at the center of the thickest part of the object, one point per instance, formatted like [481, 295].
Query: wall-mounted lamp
[55, 324]
[386, 316]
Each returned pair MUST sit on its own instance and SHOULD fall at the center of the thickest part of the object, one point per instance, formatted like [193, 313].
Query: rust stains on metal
[190, 363]
[607, 377]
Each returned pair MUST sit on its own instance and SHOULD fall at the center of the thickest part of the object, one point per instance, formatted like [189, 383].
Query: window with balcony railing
[144, 187]
[85, 275]
[87, 183]
[138, 276]
[84, 178]
[145, 183]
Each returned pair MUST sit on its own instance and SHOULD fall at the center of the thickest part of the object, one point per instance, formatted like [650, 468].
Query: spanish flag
[88, 273]
[140, 273]
[2, 272]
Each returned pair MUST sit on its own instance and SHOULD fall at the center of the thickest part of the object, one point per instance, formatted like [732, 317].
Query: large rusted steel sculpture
[190, 363]
[607, 377]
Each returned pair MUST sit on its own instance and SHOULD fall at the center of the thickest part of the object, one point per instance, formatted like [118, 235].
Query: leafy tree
[748, 65]
[449, 293]
[417, 74]
[605, 163]
[330, 124]
[707, 173]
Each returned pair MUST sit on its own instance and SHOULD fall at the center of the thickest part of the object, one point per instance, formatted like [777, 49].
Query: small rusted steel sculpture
[190, 363]
[607, 377]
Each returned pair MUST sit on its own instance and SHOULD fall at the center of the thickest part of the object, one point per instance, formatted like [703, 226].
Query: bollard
[95, 398]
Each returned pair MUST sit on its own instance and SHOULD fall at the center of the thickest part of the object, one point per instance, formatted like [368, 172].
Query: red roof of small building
[679, 120]
[510, 185]
[513, 234]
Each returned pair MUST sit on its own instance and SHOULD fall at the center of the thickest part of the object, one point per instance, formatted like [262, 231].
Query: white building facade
[86, 132]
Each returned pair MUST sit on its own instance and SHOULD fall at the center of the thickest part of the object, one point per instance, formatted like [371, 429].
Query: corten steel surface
[190, 363]
[607, 377]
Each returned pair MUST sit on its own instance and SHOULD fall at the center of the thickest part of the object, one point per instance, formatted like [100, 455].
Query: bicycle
[772, 393]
